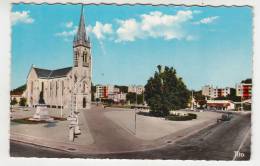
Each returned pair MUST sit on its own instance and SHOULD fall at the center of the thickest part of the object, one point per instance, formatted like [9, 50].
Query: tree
[232, 96]
[22, 101]
[131, 96]
[123, 89]
[135, 98]
[199, 98]
[247, 81]
[19, 89]
[166, 91]
[93, 91]
[13, 101]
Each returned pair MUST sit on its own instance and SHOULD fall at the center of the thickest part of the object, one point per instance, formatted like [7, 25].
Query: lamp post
[74, 113]
[61, 109]
[191, 106]
[135, 108]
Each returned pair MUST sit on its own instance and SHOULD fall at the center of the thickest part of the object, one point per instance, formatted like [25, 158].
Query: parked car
[225, 117]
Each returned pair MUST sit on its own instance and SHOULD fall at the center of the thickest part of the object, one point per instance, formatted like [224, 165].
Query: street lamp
[74, 113]
[192, 101]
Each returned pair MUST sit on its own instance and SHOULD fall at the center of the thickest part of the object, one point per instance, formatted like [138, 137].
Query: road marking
[241, 144]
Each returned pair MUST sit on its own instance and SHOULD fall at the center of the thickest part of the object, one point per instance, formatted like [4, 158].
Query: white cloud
[128, 30]
[21, 17]
[69, 24]
[100, 30]
[155, 24]
[68, 33]
[207, 20]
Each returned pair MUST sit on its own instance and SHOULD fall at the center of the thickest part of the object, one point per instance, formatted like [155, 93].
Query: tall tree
[247, 81]
[166, 91]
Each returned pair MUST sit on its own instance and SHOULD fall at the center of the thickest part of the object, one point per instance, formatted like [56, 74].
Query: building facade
[59, 85]
[136, 89]
[244, 91]
[212, 92]
[220, 104]
[109, 92]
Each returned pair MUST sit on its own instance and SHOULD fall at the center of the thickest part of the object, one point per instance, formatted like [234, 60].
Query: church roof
[45, 73]
[81, 36]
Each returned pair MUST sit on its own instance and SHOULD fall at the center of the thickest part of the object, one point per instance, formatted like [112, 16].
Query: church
[59, 85]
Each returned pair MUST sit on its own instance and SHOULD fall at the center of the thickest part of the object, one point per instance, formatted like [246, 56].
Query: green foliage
[200, 98]
[132, 97]
[165, 91]
[194, 116]
[93, 91]
[232, 96]
[22, 101]
[19, 89]
[123, 89]
[247, 81]
[190, 116]
[13, 101]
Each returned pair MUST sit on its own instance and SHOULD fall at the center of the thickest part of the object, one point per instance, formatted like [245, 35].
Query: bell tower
[81, 45]
[82, 64]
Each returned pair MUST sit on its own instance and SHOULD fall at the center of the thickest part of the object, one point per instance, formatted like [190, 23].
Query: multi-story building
[109, 92]
[212, 92]
[117, 97]
[244, 90]
[136, 89]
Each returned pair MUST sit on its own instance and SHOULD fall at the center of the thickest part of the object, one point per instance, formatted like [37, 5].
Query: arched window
[62, 88]
[56, 88]
[32, 87]
[85, 58]
[75, 78]
[76, 58]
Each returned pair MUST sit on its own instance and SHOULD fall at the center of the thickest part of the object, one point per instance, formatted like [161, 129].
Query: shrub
[22, 101]
[189, 116]
[194, 116]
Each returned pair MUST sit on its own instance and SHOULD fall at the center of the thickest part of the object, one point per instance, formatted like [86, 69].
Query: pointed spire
[81, 36]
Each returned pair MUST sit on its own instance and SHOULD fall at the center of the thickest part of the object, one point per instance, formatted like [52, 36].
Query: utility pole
[242, 103]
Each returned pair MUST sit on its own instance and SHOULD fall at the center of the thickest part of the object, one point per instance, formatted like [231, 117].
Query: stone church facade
[59, 85]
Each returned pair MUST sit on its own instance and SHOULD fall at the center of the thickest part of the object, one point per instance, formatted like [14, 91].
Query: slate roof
[45, 73]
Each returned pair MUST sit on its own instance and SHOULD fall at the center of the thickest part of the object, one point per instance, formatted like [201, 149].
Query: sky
[206, 45]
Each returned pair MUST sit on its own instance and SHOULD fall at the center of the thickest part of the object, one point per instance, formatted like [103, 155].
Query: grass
[27, 121]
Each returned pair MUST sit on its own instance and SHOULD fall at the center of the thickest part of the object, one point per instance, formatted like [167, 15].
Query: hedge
[190, 116]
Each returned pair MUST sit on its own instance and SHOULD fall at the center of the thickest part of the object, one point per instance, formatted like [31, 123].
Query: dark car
[225, 117]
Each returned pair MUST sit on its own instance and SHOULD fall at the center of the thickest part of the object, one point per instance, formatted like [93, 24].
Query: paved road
[107, 135]
[217, 142]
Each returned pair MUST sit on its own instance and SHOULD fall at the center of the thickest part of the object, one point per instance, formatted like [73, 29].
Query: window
[85, 61]
[56, 88]
[32, 87]
[76, 58]
[51, 88]
[62, 87]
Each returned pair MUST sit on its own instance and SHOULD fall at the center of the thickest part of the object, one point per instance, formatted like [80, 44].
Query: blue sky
[206, 45]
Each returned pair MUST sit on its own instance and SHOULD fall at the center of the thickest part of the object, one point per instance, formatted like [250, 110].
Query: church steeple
[81, 37]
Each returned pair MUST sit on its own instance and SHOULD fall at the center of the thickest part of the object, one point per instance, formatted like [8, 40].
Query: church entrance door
[84, 102]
